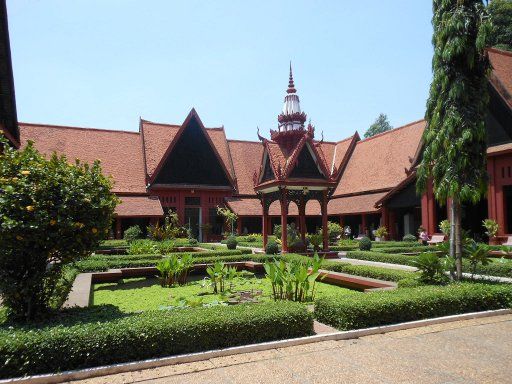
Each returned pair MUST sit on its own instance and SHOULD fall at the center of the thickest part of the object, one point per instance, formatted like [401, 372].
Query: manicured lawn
[143, 294]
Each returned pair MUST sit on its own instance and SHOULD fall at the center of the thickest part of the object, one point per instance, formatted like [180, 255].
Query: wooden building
[192, 169]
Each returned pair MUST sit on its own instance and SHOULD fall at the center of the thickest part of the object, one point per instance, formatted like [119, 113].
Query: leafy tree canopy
[51, 214]
[380, 125]
[500, 12]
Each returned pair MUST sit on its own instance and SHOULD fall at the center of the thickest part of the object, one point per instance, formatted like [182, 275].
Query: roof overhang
[139, 206]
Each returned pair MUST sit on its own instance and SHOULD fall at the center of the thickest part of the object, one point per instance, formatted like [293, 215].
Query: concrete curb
[194, 357]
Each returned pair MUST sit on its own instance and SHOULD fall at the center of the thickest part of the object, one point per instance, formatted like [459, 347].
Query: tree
[52, 213]
[455, 137]
[230, 217]
[381, 124]
[500, 12]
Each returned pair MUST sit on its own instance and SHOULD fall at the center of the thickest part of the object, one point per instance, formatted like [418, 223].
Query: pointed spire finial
[291, 86]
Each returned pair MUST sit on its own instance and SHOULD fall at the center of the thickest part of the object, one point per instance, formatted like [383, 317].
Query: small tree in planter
[230, 217]
[381, 233]
[491, 230]
[53, 213]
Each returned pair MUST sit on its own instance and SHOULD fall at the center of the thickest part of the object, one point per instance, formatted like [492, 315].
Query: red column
[264, 224]
[363, 223]
[302, 220]
[119, 234]
[325, 232]
[428, 211]
[239, 226]
[284, 221]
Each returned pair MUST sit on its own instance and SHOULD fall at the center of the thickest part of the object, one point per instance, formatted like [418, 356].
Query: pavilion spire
[291, 86]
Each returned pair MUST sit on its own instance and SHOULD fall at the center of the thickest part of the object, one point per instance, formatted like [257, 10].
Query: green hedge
[408, 304]
[381, 257]
[495, 268]
[102, 263]
[396, 244]
[399, 250]
[99, 336]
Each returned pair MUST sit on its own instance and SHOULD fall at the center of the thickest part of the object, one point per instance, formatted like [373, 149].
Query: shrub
[231, 242]
[431, 268]
[365, 244]
[334, 230]
[141, 247]
[251, 238]
[316, 240]
[99, 336]
[272, 248]
[50, 210]
[408, 304]
[132, 233]
[491, 228]
[409, 238]
[444, 227]
[193, 242]
[381, 232]
[169, 230]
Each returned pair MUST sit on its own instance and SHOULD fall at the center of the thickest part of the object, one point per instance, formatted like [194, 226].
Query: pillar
[264, 223]
[302, 220]
[284, 221]
[428, 211]
[119, 234]
[363, 224]
[239, 229]
[384, 219]
[325, 232]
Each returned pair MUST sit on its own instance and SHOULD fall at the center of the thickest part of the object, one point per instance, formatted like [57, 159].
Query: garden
[168, 294]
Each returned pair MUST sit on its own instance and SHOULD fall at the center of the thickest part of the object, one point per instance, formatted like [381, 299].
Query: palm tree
[455, 137]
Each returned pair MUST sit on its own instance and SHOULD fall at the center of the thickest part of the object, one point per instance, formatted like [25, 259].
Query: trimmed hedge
[405, 249]
[494, 268]
[395, 244]
[101, 335]
[408, 304]
[103, 263]
[359, 270]
[381, 257]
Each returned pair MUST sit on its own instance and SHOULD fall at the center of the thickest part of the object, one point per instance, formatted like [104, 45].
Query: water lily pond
[140, 294]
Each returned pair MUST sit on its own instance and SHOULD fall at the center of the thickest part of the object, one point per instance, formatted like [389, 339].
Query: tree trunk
[456, 210]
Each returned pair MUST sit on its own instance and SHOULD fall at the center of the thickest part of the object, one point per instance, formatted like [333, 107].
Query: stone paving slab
[469, 351]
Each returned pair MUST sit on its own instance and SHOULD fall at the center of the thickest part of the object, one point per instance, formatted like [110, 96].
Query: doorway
[193, 221]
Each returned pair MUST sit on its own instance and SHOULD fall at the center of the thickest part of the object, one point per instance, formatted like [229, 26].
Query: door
[193, 221]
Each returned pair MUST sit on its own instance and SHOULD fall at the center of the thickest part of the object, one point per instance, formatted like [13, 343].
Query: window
[192, 201]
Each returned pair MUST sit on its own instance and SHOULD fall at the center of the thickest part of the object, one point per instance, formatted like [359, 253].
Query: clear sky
[104, 63]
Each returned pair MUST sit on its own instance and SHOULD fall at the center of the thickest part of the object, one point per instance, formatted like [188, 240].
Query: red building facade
[191, 169]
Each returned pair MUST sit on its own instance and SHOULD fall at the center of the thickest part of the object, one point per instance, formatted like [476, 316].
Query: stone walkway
[470, 351]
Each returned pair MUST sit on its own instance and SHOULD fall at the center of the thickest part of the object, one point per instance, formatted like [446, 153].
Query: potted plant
[381, 233]
[491, 230]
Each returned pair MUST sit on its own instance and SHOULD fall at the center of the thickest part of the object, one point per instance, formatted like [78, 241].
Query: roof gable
[192, 158]
[306, 165]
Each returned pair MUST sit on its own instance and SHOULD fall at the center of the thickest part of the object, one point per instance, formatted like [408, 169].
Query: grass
[141, 294]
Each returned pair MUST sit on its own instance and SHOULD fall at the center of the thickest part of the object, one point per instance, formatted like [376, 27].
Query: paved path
[470, 351]
[375, 264]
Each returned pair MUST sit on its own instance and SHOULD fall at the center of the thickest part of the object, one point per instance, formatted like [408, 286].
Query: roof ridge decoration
[192, 115]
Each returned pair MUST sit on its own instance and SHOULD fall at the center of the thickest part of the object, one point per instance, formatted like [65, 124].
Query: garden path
[469, 351]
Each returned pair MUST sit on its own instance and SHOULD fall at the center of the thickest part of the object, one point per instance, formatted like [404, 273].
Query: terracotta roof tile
[379, 162]
[218, 138]
[139, 206]
[120, 152]
[501, 76]
[498, 149]
[354, 204]
[246, 157]
[252, 207]
[156, 140]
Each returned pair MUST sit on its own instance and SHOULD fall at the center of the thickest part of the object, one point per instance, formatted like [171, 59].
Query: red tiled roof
[218, 138]
[499, 149]
[354, 204]
[501, 76]
[120, 152]
[246, 157]
[132, 206]
[156, 140]
[252, 207]
[379, 162]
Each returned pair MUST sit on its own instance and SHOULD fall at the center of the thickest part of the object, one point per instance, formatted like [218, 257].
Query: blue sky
[104, 63]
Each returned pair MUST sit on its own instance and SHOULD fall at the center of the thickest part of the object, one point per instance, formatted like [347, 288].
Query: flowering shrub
[52, 213]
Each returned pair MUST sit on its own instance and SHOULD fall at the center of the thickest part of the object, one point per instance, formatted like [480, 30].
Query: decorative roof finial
[291, 86]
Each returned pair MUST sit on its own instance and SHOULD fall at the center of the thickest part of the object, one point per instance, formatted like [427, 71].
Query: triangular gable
[268, 172]
[192, 158]
[306, 164]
